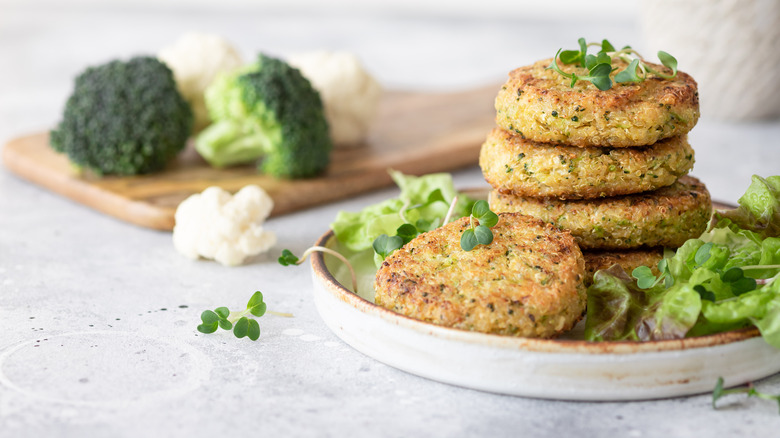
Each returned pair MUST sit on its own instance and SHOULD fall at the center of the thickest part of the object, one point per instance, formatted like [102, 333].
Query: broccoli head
[266, 111]
[124, 118]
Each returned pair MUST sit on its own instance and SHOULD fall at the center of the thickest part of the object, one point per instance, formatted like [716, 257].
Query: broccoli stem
[228, 143]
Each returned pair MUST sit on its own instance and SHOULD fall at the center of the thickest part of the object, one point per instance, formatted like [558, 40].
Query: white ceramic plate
[555, 369]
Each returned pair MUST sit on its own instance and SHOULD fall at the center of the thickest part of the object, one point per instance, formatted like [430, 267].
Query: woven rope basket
[731, 48]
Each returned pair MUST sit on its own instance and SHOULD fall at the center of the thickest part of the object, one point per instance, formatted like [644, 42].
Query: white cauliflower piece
[350, 95]
[195, 60]
[228, 229]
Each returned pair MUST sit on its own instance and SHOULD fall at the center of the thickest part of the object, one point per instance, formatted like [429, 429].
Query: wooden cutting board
[415, 133]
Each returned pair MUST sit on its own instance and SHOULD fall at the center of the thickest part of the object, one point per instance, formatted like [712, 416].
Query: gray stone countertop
[97, 317]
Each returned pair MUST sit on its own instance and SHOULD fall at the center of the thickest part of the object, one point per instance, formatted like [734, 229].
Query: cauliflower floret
[195, 60]
[228, 229]
[349, 93]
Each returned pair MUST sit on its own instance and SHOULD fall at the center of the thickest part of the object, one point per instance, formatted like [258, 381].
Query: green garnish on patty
[600, 67]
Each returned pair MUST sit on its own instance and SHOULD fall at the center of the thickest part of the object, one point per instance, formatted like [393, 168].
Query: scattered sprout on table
[749, 389]
[239, 321]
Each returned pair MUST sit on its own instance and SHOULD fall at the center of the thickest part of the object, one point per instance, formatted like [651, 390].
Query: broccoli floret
[124, 118]
[267, 111]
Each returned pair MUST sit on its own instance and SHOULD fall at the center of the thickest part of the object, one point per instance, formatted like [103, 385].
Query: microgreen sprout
[762, 281]
[739, 283]
[704, 294]
[384, 245]
[288, 258]
[479, 234]
[407, 232]
[644, 277]
[750, 390]
[646, 280]
[703, 254]
[600, 67]
[238, 321]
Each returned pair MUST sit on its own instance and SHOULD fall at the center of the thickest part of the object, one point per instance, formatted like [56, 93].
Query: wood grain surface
[415, 133]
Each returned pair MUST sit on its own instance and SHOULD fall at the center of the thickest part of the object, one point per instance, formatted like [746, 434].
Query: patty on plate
[522, 167]
[527, 282]
[628, 259]
[539, 104]
[665, 217]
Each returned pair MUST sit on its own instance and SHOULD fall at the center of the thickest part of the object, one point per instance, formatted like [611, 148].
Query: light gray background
[94, 336]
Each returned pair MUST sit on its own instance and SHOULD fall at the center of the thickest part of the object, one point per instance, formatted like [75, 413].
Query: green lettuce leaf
[682, 263]
[417, 189]
[770, 256]
[747, 248]
[760, 307]
[357, 230]
[769, 324]
[759, 208]
[675, 312]
[423, 201]
[749, 305]
[744, 245]
[705, 327]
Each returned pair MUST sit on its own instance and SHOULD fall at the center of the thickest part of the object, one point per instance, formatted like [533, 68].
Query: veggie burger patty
[515, 165]
[540, 105]
[665, 217]
[527, 282]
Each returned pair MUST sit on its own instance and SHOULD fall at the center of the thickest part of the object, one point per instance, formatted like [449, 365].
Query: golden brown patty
[629, 260]
[526, 168]
[665, 217]
[540, 105]
[527, 282]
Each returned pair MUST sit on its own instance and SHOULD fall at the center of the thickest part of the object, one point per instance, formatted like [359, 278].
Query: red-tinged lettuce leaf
[615, 304]
[619, 310]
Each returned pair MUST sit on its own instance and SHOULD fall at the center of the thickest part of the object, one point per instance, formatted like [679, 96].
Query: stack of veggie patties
[610, 166]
